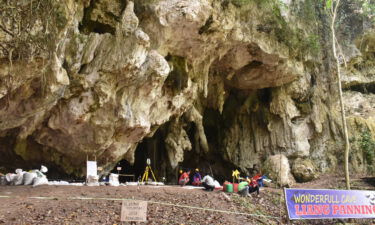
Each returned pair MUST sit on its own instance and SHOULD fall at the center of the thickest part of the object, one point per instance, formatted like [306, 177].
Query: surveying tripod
[148, 168]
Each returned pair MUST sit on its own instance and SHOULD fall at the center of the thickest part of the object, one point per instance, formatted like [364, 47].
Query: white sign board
[134, 211]
[92, 168]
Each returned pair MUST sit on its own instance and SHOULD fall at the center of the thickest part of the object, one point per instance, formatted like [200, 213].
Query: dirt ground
[18, 205]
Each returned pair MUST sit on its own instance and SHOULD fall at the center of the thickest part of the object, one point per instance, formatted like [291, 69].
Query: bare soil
[21, 208]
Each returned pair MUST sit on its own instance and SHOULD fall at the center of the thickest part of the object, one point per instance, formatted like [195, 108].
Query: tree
[332, 6]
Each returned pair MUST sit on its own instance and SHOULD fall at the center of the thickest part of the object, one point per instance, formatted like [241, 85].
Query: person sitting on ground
[184, 178]
[197, 178]
[208, 183]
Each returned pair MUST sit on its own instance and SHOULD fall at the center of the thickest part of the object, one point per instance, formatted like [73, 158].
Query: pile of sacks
[93, 180]
[20, 177]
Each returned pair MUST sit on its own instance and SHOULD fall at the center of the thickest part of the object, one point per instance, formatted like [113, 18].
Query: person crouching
[253, 186]
[184, 178]
[197, 178]
[208, 183]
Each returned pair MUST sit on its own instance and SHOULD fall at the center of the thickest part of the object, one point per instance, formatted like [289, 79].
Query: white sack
[9, 177]
[40, 181]
[92, 180]
[18, 179]
[43, 169]
[113, 180]
[28, 178]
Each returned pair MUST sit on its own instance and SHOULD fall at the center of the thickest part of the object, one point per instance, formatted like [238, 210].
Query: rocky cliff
[221, 82]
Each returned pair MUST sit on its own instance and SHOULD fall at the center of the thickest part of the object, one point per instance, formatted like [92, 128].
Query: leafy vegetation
[368, 9]
[367, 144]
[299, 41]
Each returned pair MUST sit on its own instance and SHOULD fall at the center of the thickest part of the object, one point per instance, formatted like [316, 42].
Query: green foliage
[368, 9]
[329, 4]
[367, 144]
[300, 42]
[307, 11]
[311, 43]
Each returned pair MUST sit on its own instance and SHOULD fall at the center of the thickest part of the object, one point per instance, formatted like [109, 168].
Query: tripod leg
[144, 175]
[153, 175]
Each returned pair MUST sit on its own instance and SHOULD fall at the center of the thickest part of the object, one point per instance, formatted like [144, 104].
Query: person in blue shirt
[197, 178]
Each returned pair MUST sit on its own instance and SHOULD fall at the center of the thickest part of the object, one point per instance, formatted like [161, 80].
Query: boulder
[277, 168]
[304, 170]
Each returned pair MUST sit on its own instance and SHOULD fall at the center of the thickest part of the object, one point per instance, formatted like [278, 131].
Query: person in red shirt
[184, 178]
[253, 186]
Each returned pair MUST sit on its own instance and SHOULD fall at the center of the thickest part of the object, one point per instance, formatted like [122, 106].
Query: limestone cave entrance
[211, 162]
[152, 148]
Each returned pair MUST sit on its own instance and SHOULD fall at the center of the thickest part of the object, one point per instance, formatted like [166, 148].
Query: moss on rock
[304, 170]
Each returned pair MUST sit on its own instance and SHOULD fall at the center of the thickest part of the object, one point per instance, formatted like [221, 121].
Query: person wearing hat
[197, 178]
[184, 178]
[180, 172]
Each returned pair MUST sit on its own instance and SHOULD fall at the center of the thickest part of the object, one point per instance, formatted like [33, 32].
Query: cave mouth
[146, 149]
[216, 127]
[210, 163]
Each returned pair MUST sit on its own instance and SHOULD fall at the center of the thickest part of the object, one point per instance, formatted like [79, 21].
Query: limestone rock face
[304, 170]
[231, 82]
[177, 142]
[359, 100]
[278, 169]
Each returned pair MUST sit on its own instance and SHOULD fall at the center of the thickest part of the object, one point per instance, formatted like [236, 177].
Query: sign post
[134, 211]
[329, 204]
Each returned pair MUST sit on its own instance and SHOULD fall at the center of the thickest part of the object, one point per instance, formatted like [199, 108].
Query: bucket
[229, 188]
[225, 185]
[242, 185]
[235, 187]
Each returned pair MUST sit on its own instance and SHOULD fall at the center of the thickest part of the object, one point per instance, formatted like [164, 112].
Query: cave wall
[233, 81]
